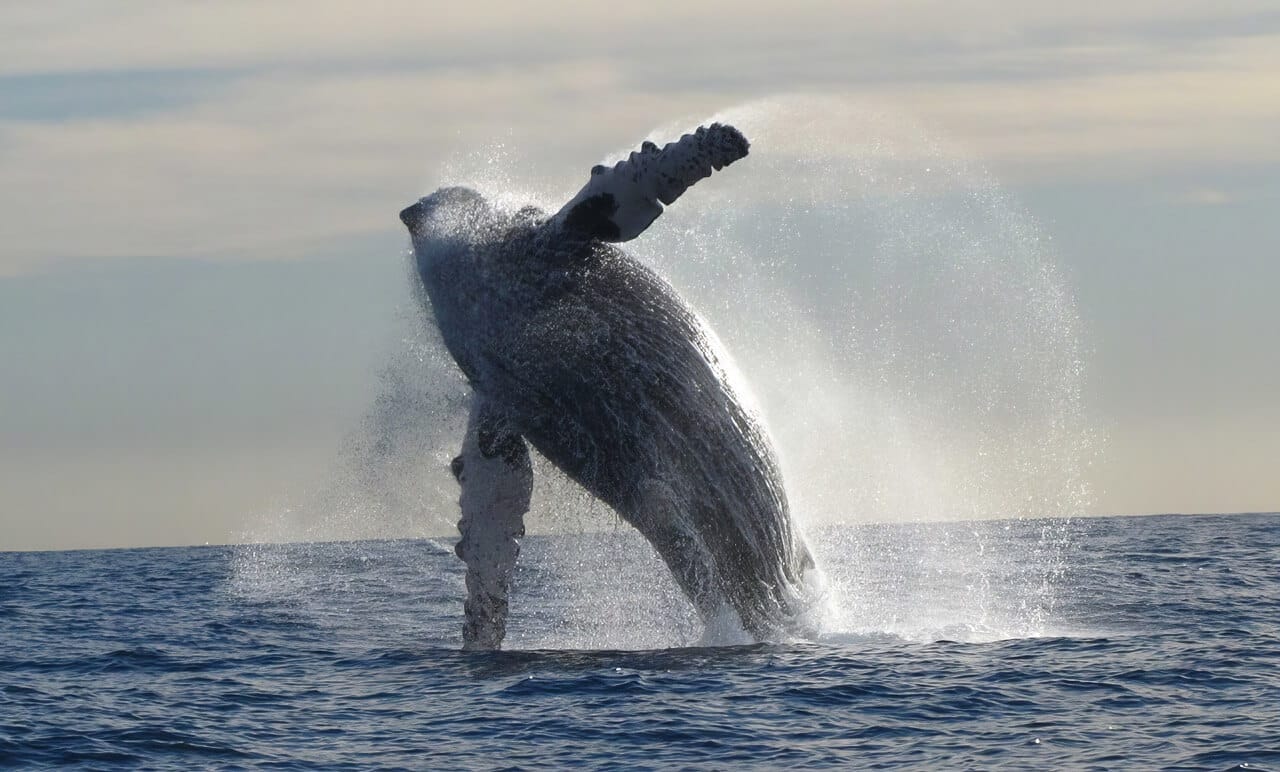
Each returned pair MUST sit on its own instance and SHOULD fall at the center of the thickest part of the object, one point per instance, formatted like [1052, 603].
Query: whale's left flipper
[497, 483]
[618, 204]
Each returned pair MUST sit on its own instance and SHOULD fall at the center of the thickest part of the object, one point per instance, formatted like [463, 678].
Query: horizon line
[454, 536]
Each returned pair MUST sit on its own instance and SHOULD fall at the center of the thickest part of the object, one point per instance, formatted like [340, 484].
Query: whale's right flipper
[497, 483]
[618, 204]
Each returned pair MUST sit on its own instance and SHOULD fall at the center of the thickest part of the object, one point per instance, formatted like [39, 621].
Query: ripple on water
[365, 675]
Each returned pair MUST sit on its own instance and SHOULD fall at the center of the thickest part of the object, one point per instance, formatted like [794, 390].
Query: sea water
[1143, 643]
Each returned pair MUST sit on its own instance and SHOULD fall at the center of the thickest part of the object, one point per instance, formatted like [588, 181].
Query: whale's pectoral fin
[619, 203]
[497, 482]
[662, 520]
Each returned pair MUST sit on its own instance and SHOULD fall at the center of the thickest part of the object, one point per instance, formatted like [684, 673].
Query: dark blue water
[1147, 643]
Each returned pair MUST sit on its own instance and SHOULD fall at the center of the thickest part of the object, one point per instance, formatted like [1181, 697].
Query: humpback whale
[572, 346]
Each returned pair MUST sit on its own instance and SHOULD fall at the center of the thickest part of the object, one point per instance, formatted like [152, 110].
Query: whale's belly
[616, 382]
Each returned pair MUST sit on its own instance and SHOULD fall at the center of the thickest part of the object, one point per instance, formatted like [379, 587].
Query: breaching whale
[575, 347]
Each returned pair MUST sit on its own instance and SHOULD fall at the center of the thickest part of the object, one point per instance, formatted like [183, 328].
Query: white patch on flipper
[627, 198]
[496, 490]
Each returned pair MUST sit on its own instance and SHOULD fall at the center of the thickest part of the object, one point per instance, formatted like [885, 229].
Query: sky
[202, 285]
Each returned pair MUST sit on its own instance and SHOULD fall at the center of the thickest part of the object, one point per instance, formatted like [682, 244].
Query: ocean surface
[1137, 643]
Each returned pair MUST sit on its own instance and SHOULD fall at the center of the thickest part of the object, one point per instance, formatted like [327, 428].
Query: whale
[574, 347]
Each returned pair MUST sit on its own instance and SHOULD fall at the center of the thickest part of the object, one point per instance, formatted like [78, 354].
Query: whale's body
[590, 356]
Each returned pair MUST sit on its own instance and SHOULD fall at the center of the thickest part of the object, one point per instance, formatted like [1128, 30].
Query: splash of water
[916, 351]
[909, 339]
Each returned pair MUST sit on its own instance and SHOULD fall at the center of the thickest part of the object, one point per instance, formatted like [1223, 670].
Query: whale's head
[449, 214]
[451, 231]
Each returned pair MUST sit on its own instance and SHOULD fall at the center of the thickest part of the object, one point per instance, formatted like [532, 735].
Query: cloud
[1205, 197]
[279, 165]
[91, 34]
[1212, 107]
[321, 122]
[60, 97]
[275, 165]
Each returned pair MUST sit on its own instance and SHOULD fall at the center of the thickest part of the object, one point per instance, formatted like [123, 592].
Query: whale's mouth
[412, 215]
